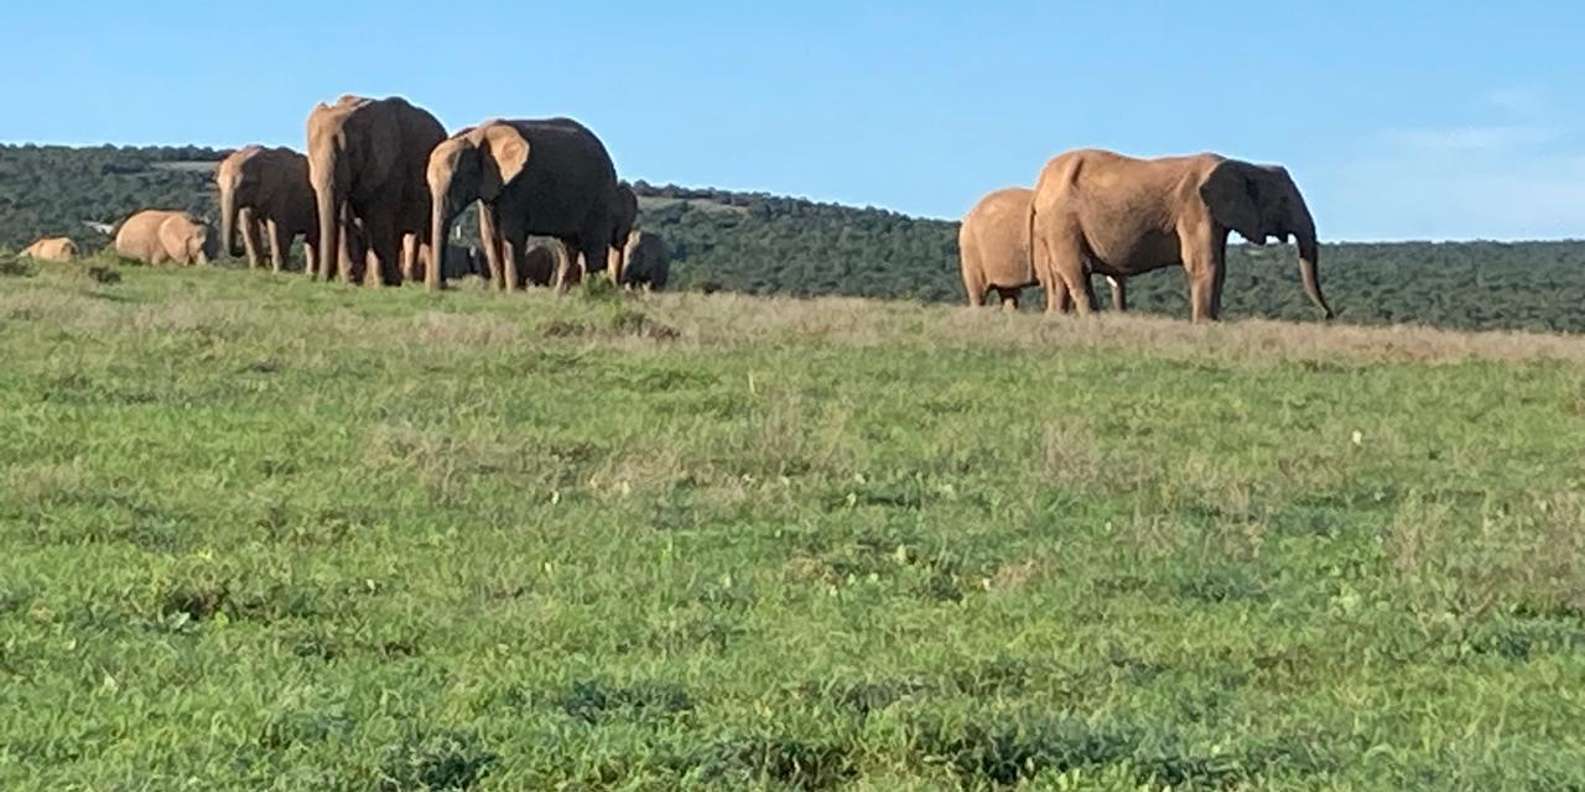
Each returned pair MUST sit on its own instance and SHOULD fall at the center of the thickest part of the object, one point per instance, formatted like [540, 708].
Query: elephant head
[476, 164]
[202, 246]
[188, 240]
[330, 169]
[1260, 202]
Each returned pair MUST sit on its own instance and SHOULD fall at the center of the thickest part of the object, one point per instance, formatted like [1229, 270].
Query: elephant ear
[1232, 192]
[507, 147]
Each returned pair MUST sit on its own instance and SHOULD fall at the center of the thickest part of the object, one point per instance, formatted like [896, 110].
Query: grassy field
[265, 534]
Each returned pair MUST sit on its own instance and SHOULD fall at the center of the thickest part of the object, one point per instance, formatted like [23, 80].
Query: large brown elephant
[157, 236]
[993, 246]
[366, 161]
[52, 249]
[646, 264]
[548, 177]
[1121, 216]
[267, 189]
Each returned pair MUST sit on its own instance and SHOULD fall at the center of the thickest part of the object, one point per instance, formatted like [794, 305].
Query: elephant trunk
[228, 222]
[1309, 268]
[439, 227]
[329, 210]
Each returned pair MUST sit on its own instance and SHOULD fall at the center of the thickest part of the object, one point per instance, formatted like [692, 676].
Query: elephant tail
[1029, 242]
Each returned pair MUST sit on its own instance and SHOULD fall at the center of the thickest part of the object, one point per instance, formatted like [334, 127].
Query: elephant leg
[410, 254]
[490, 240]
[973, 284]
[309, 264]
[250, 236]
[589, 250]
[385, 246]
[1204, 267]
[512, 252]
[1066, 266]
[615, 259]
[349, 254]
[1057, 299]
[1119, 294]
[279, 244]
[1089, 287]
[1202, 284]
[1221, 279]
[570, 270]
[1009, 299]
[405, 267]
[348, 265]
[561, 271]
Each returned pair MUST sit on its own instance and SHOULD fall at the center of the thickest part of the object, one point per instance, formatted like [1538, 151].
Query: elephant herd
[1096, 212]
[381, 184]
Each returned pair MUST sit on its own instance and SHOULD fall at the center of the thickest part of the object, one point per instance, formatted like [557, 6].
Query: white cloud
[1521, 102]
[1515, 171]
[1471, 138]
[1449, 196]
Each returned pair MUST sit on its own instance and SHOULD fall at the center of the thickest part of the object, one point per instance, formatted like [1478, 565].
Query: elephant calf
[993, 246]
[157, 236]
[52, 249]
[646, 264]
[547, 262]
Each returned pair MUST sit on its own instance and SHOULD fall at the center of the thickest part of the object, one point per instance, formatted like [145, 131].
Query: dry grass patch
[1462, 564]
[43, 484]
[62, 310]
[1016, 575]
[434, 328]
[224, 319]
[446, 465]
[730, 319]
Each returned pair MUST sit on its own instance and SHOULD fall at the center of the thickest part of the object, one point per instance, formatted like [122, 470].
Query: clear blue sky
[1408, 119]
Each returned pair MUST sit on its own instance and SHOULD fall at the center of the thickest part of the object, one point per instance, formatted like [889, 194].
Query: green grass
[261, 533]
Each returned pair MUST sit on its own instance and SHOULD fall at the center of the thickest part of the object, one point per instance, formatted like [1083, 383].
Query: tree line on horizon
[757, 243]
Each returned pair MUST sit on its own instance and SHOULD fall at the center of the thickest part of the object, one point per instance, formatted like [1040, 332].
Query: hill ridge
[764, 243]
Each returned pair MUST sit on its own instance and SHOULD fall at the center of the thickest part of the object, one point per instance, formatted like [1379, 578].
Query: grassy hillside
[266, 534]
[762, 244]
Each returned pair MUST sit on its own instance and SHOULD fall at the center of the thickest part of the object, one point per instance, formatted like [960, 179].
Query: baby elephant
[647, 265]
[52, 249]
[156, 236]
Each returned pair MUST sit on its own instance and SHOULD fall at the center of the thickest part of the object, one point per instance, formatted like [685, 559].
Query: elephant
[646, 263]
[1100, 211]
[550, 177]
[366, 160]
[548, 262]
[52, 249]
[156, 236]
[993, 246]
[267, 189]
[465, 260]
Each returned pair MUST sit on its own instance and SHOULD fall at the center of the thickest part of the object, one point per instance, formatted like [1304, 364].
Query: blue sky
[1404, 120]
